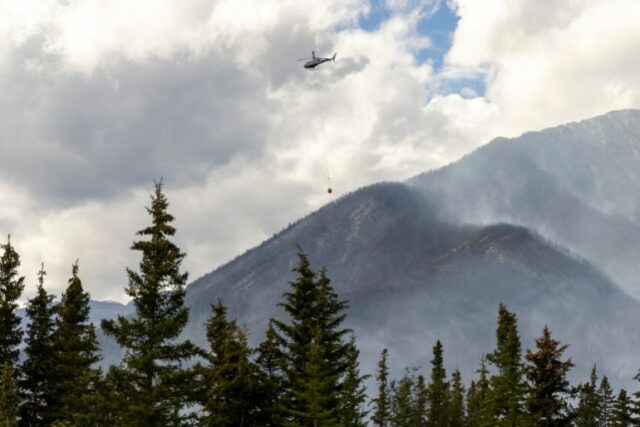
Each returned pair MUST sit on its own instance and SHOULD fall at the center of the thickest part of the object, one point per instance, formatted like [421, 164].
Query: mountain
[547, 223]
[575, 184]
[411, 277]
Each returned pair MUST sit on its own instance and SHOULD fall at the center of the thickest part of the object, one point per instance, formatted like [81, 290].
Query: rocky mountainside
[576, 184]
[540, 223]
[411, 278]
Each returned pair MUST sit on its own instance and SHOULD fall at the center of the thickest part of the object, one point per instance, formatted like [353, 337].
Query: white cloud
[553, 61]
[102, 97]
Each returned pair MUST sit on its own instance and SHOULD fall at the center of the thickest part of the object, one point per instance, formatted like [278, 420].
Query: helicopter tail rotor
[333, 58]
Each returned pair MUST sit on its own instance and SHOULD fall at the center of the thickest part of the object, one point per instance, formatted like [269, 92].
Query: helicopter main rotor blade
[303, 59]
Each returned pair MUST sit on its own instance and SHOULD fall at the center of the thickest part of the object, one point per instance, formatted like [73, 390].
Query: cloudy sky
[102, 97]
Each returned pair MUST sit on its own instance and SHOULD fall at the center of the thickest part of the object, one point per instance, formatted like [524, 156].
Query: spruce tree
[621, 414]
[313, 391]
[37, 380]
[508, 386]
[403, 408]
[456, 411]
[271, 363]
[11, 287]
[479, 412]
[156, 387]
[76, 350]
[607, 400]
[315, 318]
[351, 402]
[588, 411]
[421, 402]
[8, 397]
[231, 380]
[549, 388]
[381, 403]
[438, 390]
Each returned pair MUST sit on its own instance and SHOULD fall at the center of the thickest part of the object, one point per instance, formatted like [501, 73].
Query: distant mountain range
[548, 223]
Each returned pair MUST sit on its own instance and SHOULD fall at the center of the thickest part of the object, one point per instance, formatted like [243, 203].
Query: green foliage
[8, 397]
[622, 411]
[607, 400]
[588, 411]
[37, 380]
[508, 386]
[403, 408]
[155, 387]
[549, 388]
[352, 398]
[271, 363]
[479, 399]
[438, 390]
[315, 320]
[421, 402]
[11, 287]
[230, 388]
[381, 403]
[456, 405]
[75, 351]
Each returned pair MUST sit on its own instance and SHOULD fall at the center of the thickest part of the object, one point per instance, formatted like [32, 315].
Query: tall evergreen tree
[157, 386]
[607, 401]
[351, 402]
[588, 411]
[456, 405]
[8, 397]
[315, 318]
[621, 414]
[381, 403]
[231, 379]
[271, 363]
[313, 391]
[37, 380]
[421, 402]
[479, 412]
[403, 408]
[549, 388]
[438, 390]
[11, 287]
[76, 350]
[508, 386]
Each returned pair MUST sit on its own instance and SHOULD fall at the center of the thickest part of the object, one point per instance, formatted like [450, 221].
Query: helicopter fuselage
[315, 62]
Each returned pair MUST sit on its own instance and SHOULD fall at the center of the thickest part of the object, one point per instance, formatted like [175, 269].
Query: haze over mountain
[532, 222]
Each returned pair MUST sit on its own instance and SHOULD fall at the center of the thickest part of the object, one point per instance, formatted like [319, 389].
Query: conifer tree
[438, 390]
[351, 402]
[549, 388]
[315, 318]
[8, 397]
[508, 386]
[588, 411]
[421, 402]
[456, 405]
[403, 408]
[621, 414]
[381, 404]
[607, 399]
[313, 391]
[37, 379]
[11, 287]
[230, 381]
[156, 388]
[479, 399]
[271, 363]
[76, 350]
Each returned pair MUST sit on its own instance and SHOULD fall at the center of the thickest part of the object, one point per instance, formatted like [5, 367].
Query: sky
[101, 98]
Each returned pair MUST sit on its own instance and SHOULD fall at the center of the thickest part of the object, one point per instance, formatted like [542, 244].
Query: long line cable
[323, 134]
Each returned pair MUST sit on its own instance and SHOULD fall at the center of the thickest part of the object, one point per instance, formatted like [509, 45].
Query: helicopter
[315, 61]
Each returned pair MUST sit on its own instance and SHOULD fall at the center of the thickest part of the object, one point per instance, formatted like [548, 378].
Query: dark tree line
[305, 372]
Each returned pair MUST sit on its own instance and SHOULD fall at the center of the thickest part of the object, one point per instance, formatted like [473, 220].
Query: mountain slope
[411, 278]
[575, 184]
